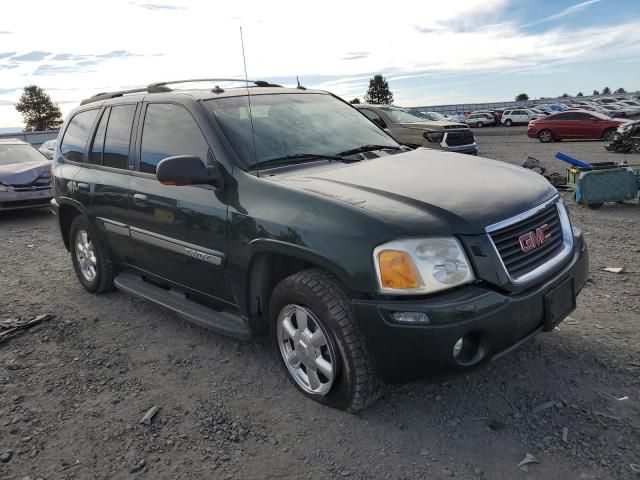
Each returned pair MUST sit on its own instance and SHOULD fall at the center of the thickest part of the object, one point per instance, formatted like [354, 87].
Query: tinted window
[561, 116]
[76, 136]
[118, 134]
[371, 115]
[169, 130]
[98, 140]
[582, 116]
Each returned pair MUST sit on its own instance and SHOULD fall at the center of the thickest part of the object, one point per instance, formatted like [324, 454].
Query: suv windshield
[434, 116]
[404, 115]
[292, 124]
[12, 154]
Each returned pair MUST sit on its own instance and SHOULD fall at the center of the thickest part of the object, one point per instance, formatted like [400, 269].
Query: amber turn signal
[397, 270]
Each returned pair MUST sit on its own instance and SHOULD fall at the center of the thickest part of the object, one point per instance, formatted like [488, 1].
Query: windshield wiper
[368, 148]
[296, 158]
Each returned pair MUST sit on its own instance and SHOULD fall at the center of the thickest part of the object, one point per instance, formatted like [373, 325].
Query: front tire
[90, 257]
[608, 134]
[479, 125]
[508, 122]
[545, 136]
[322, 348]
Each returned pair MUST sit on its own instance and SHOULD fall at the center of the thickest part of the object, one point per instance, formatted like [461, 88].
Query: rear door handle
[139, 198]
[83, 186]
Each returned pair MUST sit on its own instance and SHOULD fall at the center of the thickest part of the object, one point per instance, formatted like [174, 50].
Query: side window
[374, 117]
[560, 116]
[507, 113]
[117, 136]
[169, 130]
[97, 146]
[582, 116]
[76, 136]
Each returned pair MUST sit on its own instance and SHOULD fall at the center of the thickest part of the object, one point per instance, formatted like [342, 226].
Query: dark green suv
[267, 210]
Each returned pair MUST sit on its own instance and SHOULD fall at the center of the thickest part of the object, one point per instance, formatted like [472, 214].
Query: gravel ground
[74, 389]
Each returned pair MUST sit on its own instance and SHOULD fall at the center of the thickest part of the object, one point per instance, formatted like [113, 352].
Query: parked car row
[613, 107]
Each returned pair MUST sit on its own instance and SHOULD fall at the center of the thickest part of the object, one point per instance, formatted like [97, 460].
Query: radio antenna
[253, 135]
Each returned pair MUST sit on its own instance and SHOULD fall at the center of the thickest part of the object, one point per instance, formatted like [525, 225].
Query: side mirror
[183, 170]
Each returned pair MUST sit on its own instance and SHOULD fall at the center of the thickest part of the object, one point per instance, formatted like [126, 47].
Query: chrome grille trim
[552, 262]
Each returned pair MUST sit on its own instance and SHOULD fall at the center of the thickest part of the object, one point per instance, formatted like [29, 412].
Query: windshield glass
[404, 115]
[293, 124]
[434, 116]
[11, 154]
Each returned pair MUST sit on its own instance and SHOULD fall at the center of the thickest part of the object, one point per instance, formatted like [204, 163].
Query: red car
[576, 124]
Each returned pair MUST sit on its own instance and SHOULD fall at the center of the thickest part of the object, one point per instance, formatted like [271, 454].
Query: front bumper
[13, 200]
[496, 320]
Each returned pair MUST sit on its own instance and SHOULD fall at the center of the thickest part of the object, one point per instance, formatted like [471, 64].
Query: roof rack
[160, 87]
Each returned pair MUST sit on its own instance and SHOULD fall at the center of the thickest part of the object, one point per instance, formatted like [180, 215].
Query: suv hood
[434, 125]
[427, 191]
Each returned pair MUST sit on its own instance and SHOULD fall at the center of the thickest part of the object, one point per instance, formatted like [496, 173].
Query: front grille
[35, 202]
[32, 188]
[464, 137]
[507, 242]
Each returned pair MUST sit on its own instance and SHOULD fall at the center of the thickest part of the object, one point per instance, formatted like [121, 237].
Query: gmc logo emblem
[532, 240]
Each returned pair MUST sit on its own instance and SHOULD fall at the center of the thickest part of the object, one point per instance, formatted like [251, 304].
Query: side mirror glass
[183, 170]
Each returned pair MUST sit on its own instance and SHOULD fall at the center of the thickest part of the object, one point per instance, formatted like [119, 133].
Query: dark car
[574, 124]
[295, 216]
[25, 176]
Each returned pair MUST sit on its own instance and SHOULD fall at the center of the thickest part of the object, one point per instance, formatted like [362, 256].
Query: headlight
[433, 136]
[421, 265]
[3, 188]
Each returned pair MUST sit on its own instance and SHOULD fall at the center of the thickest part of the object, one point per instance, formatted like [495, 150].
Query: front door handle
[139, 198]
[83, 186]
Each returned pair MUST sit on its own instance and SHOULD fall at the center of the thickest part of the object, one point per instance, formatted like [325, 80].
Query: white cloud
[88, 46]
[566, 12]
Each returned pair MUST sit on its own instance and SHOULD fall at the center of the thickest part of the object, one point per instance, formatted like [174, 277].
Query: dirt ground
[73, 390]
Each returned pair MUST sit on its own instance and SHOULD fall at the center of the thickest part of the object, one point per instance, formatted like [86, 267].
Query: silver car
[25, 176]
[47, 148]
[412, 128]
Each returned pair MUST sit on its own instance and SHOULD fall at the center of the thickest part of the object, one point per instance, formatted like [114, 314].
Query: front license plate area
[558, 303]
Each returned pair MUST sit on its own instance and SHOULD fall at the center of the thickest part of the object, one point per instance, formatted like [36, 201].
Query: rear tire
[545, 136]
[90, 257]
[479, 125]
[316, 335]
[608, 134]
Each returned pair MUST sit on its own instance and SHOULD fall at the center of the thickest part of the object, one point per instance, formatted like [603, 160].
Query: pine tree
[620, 90]
[580, 94]
[522, 97]
[37, 109]
[378, 92]
[596, 92]
[355, 101]
[606, 91]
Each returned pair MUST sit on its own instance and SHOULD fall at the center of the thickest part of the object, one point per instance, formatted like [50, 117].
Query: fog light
[410, 317]
[457, 348]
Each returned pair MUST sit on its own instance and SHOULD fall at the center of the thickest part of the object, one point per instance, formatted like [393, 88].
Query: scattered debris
[571, 321]
[613, 269]
[635, 468]
[527, 460]
[149, 415]
[598, 326]
[565, 434]
[544, 406]
[9, 327]
[136, 467]
[6, 456]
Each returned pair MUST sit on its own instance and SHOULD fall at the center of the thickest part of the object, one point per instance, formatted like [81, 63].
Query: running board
[221, 322]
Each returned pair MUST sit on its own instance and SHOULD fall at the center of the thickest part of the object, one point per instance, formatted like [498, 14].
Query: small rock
[6, 456]
[138, 466]
[565, 434]
[424, 452]
[345, 473]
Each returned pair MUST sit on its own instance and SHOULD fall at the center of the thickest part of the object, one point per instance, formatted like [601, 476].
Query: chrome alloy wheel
[545, 136]
[305, 350]
[86, 255]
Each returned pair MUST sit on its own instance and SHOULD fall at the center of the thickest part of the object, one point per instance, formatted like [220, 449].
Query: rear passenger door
[179, 232]
[107, 176]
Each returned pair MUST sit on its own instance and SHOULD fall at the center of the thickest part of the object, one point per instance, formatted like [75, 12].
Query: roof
[12, 141]
[162, 90]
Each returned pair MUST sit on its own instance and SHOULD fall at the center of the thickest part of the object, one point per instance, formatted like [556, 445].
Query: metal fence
[34, 138]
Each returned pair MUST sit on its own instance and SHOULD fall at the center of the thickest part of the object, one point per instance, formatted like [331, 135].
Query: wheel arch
[67, 211]
[271, 261]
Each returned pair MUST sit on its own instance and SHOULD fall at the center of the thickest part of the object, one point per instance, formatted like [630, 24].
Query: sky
[431, 52]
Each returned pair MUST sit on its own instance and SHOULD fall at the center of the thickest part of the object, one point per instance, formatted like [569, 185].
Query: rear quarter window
[74, 142]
